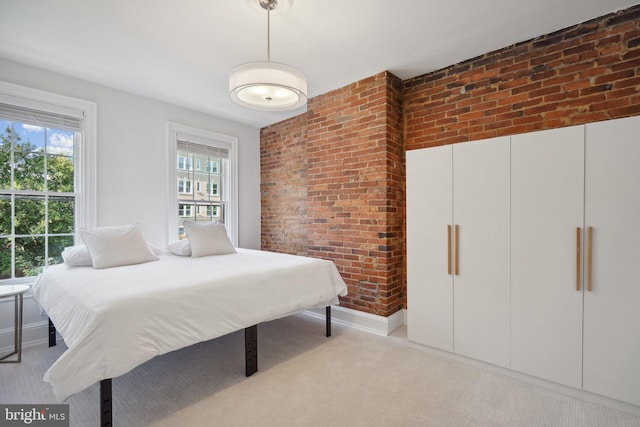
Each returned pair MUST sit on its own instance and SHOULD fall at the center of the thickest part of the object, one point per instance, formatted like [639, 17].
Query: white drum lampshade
[268, 86]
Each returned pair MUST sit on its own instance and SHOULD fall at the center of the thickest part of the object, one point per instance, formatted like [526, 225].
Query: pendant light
[268, 85]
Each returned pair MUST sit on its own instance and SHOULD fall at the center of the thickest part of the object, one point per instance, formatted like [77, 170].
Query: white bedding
[112, 320]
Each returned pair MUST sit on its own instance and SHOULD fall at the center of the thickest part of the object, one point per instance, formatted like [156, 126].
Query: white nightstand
[15, 291]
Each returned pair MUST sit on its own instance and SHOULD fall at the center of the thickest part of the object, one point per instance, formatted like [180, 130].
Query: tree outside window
[37, 199]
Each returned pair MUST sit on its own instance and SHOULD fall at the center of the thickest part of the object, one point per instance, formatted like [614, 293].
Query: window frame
[84, 149]
[177, 131]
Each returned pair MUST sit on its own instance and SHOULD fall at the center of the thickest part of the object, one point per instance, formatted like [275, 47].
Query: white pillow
[208, 238]
[77, 256]
[180, 248]
[156, 250]
[117, 246]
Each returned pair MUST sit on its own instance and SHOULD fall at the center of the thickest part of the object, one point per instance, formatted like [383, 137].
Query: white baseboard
[550, 385]
[32, 334]
[368, 322]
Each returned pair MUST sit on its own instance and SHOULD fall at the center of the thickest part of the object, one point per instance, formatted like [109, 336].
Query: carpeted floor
[304, 379]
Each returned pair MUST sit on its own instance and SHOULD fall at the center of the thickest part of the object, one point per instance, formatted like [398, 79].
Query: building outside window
[184, 163]
[184, 210]
[215, 201]
[209, 201]
[184, 185]
[212, 188]
[212, 166]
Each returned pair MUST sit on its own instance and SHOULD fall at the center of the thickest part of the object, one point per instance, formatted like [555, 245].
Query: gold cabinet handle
[589, 256]
[448, 249]
[456, 249]
[578, 258]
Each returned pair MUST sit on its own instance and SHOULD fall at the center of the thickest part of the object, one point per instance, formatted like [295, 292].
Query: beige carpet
[305, 379]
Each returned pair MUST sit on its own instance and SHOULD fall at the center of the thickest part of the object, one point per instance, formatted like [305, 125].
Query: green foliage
[29, 173]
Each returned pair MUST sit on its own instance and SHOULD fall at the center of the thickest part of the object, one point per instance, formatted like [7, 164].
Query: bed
[115, 319]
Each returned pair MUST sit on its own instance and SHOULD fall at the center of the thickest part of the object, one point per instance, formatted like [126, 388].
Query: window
[184, 186]
[46, 145]
[184, 210]
[184, 163]
[212, 188]
[190, 146]
[212, 166]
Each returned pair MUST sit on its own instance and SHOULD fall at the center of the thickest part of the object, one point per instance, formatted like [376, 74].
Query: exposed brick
[579, 71]
[332, 179]
[354, 187]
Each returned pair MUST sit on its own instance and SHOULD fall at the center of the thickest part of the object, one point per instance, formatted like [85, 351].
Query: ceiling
[181, 51]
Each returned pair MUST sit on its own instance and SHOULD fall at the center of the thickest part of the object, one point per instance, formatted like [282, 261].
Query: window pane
[201, 212]
[61, 218]
[29, 138]
[203, 179]
[209, 179]
[182, 234]
[5, 258]
[5, 215]
[56, 246]
[29, 215]
[5, 130]
[29, 171]
[37, 164]
[60, 142]
[60, 174]
[30, 257]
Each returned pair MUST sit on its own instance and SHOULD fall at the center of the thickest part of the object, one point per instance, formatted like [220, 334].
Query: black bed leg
[328, 316]
[106, 417]
[251, 350]
[52, 334]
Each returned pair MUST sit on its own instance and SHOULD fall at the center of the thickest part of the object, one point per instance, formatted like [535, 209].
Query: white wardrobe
[538, 273]
[547, 210]
[458, 248]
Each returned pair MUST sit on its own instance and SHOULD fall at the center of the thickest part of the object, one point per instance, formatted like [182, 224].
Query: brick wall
[283, 186]
[333, 178]
[585, 73]
[354, 178]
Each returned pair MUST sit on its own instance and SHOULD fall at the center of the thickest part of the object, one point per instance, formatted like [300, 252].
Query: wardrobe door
[429, 213]
[481, 220]
[547, 205]
[612, 306]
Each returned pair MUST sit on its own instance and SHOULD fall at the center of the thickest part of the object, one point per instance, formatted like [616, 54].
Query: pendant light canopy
[268, 85]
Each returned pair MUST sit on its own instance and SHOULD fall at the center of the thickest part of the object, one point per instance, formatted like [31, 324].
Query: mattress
[115, 319]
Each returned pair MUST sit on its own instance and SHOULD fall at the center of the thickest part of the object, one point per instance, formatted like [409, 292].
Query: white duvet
[112, 320]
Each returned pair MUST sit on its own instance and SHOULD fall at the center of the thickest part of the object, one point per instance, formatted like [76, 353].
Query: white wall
[132, 162]
[132, 153]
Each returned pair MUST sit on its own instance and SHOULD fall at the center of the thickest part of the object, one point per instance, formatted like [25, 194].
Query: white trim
[84, 150]
[206, 137]
[33, 334]
[367, 322]
[560, 388]
[86, 153]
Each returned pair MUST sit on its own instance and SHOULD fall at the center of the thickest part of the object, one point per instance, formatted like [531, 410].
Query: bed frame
[251, 365]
